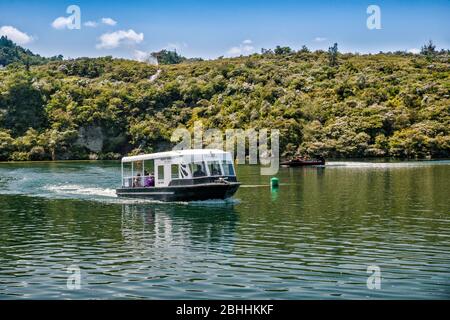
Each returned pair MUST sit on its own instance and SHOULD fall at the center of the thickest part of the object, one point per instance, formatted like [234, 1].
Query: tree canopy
[12, 53]
[373, 105]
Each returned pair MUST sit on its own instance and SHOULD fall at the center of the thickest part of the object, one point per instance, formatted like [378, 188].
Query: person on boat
[199, 172]
[146, 178]
[149, 180]
[137, 181]
[152, 180]
[215, 170]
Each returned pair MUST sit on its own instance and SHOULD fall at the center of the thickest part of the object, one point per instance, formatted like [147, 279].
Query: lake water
[314, 238]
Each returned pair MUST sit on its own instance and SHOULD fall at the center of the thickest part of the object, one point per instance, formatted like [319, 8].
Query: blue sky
[210, 29]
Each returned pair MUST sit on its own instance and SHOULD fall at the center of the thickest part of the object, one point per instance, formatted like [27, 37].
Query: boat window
[184, 171]
[149, 167]
[160, 172]
[127, 175]
[174, 169]
[138, 165]
[214, 168]
[228, 169]
[198, 169]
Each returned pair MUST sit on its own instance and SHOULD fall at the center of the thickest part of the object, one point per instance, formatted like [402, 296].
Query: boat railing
[137, 181]
[142, 181]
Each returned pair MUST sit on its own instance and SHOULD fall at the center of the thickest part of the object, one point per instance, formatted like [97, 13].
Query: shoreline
[380, 160]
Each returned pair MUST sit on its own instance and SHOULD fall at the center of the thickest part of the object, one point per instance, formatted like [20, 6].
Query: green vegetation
[333, 55]
[338, 105]
[168, 57]
[12, 53]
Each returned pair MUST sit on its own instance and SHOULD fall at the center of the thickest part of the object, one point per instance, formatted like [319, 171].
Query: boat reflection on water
[178, 225]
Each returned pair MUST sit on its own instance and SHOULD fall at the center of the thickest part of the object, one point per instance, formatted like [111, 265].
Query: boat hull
[198, 192]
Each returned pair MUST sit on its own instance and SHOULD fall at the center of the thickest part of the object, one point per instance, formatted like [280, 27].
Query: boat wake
[383, 165]
[81, 190]
[215, 202]
[255, 186]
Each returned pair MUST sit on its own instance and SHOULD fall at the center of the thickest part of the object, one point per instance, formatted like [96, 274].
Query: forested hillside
[337, 105]
[12, 53]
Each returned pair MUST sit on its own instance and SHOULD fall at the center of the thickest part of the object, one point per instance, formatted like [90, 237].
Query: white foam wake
[81, 190]
[384, 165]
[215, 202]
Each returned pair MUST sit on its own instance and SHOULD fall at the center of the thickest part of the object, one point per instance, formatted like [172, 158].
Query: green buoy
[274, 182]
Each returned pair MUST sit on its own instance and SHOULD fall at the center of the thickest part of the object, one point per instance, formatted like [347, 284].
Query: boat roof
[172, 154]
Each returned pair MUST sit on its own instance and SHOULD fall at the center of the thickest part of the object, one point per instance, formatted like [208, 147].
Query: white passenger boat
[184, 175]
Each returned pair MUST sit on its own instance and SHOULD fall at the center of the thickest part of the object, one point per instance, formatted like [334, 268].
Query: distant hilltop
[394, 104]
[12, 53]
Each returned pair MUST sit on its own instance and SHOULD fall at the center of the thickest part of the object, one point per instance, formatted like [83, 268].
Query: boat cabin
[176, 168]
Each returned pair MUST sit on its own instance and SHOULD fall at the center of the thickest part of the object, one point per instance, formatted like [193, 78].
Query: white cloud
[414, 50]
[91, 24]
[244, 48]
[234, 51]
[320, 39]
[176, 46]
[237, 51]
[15, 35]
[144, 56]
[109, 21]
[118, 38]
[62, 22]
[94, 24]
[140, 55]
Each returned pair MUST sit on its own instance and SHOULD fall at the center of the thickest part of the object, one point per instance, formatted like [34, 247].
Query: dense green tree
[428, 49]
[304, 49]
[168, 57]
[332, 55]
[282, 50]
[6, 145]
[22, 103]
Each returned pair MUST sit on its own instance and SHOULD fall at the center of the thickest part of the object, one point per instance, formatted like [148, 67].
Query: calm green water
[314, 238]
